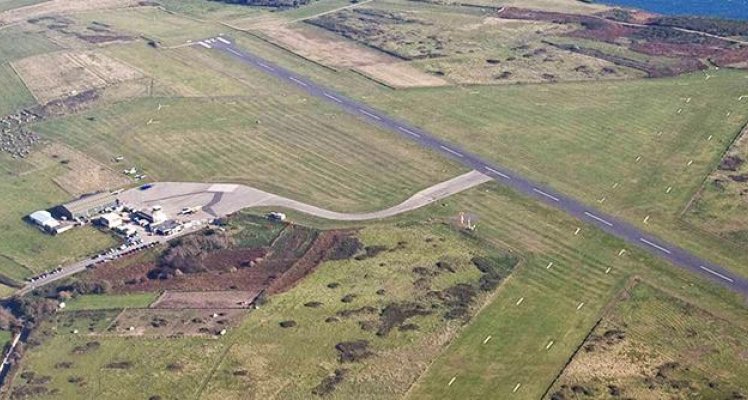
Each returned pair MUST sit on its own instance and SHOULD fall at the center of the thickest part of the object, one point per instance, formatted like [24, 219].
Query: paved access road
[220, 199]
[608, 223]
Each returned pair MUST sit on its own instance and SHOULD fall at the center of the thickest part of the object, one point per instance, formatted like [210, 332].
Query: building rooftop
[43, 218]
[89, 202]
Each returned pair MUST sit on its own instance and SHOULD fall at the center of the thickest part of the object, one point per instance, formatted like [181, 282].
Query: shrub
[353, 351]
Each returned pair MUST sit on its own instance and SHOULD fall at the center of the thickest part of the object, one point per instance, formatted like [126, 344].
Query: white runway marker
[550, 264]
[448, 150]
[554, 198]
[638, 158]
[579, 307]
[521, 299]
[688, 100]
[669, 189]
[680, 110]
[620, 253]
[516, 388]
[150, 121]
[742, 97]
[715, 273]
[408, 131]
[451, 381]
[505, 176]
[337, 100]
[549, 345]
[368, 114]
[576, 232]
[607, 271]
[690, 162]
[222, 40]
[646, 219]
[487, 339]
[710, 137]
[602, 200]
[234, 52]
[655, 245]
[207, 46]
[728, 114]
[615, 185]
[302, 83]
[596, 218]
[267, 67]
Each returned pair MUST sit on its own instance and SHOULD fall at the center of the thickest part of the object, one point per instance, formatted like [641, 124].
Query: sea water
[730, 9]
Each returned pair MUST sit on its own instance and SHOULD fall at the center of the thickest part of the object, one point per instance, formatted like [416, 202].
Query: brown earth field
[170, 323]
[292, 257]
[206, 299]
[328, 49]
[62, 74]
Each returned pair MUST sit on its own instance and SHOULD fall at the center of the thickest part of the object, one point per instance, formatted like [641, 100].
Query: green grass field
[213, 11]
[27, 187]
[704, 352]
[295, 360]
[520, 333]
[15, 95]
[275, 138]
[167, 28]
[583, 138]
[15, 43]
[468, 45]
[516, 353]
[118, 368]
[6, 5]
[110, 301]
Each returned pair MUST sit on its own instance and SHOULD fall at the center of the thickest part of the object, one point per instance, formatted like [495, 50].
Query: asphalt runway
[607, 223]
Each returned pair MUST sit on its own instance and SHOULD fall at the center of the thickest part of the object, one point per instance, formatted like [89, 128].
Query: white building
[45, 220]
[110, 220]
[154, 217]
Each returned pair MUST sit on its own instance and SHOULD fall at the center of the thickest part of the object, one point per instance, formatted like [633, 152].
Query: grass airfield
[196, 115]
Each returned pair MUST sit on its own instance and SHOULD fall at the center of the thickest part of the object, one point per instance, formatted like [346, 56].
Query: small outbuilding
[167, 228]
[155, 216]
[44, 220]
[110, 220]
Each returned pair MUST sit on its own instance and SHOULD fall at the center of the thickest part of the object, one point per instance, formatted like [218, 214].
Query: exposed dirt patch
[731, 162]
[211, 300]
[353, 351]
[396, 314]
[62, 74]
[401, 75]
[323, 47]
[328, 383]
